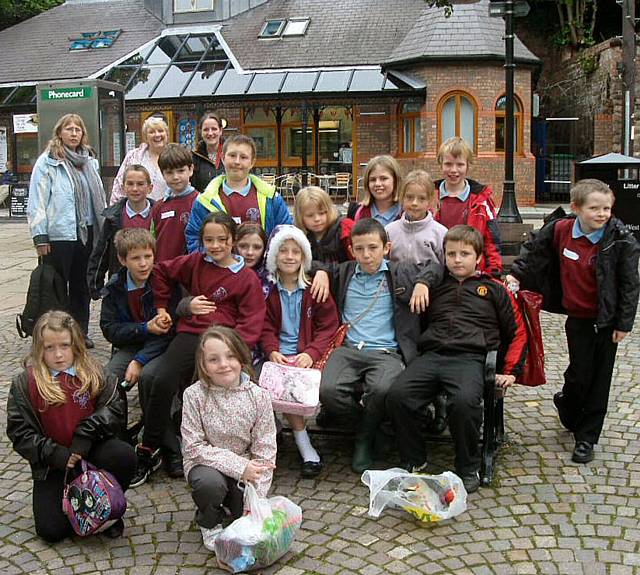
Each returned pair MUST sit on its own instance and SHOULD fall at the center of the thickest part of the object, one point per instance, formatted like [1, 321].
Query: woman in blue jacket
[66, 201]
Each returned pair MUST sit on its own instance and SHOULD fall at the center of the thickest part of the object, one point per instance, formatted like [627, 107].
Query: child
[585, 266]
[382, 180]
[469, 314]
[328, 233]
[62, 409]
[416, 236]
[465, 201]
[171, 214]
[297, 329]
[375, 298]
[226, 293]
[242, 195]
[132, 211]
[228, 431]
[129, 322]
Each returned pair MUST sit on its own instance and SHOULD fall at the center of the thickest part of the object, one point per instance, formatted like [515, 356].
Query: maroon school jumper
[242, 208]
[170, 217]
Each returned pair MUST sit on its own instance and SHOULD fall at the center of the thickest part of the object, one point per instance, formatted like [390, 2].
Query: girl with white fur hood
[297, 329]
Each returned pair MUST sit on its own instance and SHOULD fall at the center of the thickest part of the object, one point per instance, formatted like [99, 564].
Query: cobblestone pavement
[543, 514]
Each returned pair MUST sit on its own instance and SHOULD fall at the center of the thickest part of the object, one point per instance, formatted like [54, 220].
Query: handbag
[93, 500]
[530, 304]
[292, 389]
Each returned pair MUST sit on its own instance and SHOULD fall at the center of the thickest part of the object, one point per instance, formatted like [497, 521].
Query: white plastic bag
[259, 539]
[427, 497]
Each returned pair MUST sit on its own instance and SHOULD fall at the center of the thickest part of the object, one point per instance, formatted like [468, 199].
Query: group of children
[224, 281]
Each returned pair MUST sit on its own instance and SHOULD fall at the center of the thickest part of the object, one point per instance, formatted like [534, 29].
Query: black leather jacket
[25, 431]
[204, 170]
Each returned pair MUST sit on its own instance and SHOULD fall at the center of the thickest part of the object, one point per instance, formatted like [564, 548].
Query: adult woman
[207, 157]
[155, 134]
[66, 201]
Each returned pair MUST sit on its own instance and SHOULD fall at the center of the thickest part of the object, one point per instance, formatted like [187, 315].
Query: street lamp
[508, 9]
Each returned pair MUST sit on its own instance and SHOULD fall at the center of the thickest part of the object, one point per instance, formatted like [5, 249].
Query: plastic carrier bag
[428, 498]
[533, 372]
[260, 538]
[292, 389]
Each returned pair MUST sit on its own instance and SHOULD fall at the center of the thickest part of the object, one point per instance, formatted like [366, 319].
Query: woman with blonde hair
[66, 201]
[155, 135]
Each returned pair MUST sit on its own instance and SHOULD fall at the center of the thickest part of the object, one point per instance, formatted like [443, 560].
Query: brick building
[321, 85]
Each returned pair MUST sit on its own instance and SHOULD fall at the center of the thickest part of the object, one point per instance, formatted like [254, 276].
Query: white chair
[287, 185]
[269, 178]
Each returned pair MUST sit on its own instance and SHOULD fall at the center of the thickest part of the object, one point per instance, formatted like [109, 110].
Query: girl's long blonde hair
[318, 198]
[388, 164]
[55, 147]
[88, 370]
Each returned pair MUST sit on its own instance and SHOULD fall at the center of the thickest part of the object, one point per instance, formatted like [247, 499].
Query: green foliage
[14, 11]
[588, 64]
[446, 4]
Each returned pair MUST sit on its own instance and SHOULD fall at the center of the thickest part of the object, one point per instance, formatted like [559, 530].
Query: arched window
[458, 116]
[501, 106]
[410, 128]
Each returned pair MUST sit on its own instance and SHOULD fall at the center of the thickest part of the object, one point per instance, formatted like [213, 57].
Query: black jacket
[332, 247]
[204, 170]
[538, 269]
[27, 435]
[104, 258]
[118, 326]
[402, 278]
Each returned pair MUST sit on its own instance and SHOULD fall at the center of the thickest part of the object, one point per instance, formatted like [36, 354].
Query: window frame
[283, 22]
[245, 129]
[192, 10]
[414, 118]
[458, 94]
[518, 118]
[296, 20]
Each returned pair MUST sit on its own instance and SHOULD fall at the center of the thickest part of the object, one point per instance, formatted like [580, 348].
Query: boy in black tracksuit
[380, 301]
[470, 313]
[129, 321]
[586, 266]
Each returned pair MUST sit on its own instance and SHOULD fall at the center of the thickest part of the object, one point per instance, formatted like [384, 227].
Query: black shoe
[116, 530]
[582, 452]
[173, 465]
[415, 467]
[471, 481]
[88, 342]
[149, 460]
[563, 414]
[311, 469]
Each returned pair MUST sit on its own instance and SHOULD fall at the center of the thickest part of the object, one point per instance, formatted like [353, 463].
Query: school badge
[482, 291]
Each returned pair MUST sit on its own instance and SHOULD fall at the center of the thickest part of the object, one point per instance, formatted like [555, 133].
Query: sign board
[627, 204]
[497, 9]
[18, 201]
[79, 93]
[3, 149]
[25, 123]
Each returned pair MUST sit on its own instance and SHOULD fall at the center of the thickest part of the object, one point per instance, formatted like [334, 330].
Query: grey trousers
[210, 490]
[356, 381]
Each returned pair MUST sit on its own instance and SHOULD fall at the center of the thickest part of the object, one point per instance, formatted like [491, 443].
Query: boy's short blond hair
[422, 179]
[465, 235]
[387, 163]
[317, 197]
[456, 146]
[132, 238]
[584, 188]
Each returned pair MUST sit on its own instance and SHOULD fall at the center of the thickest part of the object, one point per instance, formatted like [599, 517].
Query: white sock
[305, 448]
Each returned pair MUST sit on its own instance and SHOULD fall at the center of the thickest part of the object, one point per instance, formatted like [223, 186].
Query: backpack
[47, 291]
[92, 499]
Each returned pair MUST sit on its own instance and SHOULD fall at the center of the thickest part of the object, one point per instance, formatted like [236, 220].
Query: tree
[577, 19]
[14, 11]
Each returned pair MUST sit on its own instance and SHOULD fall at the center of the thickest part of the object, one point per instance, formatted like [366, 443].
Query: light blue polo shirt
[244, 192]
[391, 215]
[291, 305]
[593, 237]
[376, 329]
[463, 197]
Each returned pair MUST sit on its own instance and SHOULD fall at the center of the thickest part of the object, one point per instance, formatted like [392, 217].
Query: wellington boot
[364, 442]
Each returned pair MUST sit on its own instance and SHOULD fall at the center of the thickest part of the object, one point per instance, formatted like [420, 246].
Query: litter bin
[622, 174]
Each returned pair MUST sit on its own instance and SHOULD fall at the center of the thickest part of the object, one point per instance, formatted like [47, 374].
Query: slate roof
[38, 48]
[360, 32]
[368, 32]
[468, 33]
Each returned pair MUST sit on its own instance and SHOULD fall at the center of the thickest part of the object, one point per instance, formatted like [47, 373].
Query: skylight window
[296, 27]
[94, 40]
[272, 28]
[192, 5]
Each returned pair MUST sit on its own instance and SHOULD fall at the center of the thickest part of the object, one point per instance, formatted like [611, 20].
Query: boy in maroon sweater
[586, 267]
[169, 217]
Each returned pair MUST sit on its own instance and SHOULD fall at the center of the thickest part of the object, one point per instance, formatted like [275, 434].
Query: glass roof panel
[4, 92]
[333, 81]
[23, 95]
[366, 81]
[173, 83]
[143, 82]
[233, 83]
[204, 81]
[389, 85]
[299, 82]
[266, 83]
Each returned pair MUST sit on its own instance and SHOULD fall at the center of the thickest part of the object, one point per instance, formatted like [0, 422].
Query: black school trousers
[112, 455]
[587, 380]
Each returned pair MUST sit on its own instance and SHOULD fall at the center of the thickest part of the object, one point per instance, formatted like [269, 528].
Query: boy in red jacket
[465, 201]
[470, 313]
